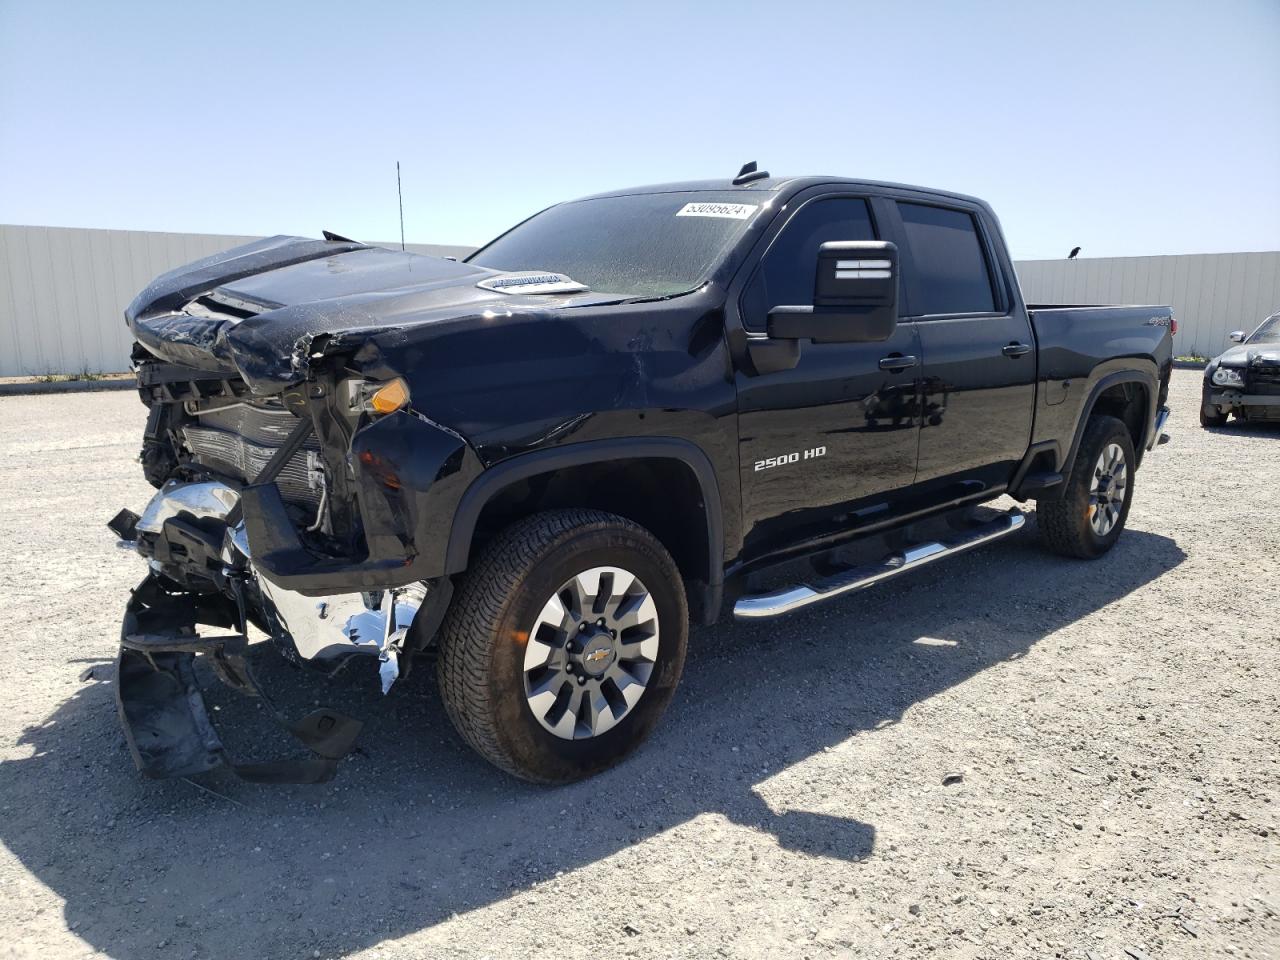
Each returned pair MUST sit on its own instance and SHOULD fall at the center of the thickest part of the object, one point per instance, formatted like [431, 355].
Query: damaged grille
[238, 441]
[1263, 379]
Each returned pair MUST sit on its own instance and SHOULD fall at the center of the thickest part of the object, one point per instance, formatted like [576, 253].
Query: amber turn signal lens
[390, 397]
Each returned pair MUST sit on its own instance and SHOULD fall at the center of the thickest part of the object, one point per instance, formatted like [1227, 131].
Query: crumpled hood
[1243, 354]
[254, 311]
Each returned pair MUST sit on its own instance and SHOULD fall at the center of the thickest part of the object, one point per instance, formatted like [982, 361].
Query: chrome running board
[765, 605]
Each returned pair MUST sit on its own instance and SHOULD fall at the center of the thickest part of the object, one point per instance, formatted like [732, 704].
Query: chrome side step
[1158, 433]
[765, 605]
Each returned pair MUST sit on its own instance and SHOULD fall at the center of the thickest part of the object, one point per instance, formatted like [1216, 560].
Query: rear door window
[949, 271]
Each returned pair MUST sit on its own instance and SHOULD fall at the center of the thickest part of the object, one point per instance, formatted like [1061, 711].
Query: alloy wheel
[1107, 489]
[590, 653]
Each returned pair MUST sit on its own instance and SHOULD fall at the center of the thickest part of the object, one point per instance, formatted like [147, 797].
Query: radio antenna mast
[400, 196]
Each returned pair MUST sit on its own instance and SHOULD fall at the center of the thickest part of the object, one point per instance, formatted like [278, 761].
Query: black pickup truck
[538, 465]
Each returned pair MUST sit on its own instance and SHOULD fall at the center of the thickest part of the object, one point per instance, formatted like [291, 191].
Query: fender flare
[523, 466]
[1142, 377]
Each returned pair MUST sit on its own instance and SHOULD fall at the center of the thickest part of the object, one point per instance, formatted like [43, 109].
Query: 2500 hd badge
[539, 465]
[768, 463]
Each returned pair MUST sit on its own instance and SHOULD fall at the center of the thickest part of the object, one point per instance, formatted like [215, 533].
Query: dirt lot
[1115, 724]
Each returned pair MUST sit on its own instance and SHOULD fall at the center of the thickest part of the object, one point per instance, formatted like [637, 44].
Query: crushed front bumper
[162, 710]
[1253, 406]
[200, 596]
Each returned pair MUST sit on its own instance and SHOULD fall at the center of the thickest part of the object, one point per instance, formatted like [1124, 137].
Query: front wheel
[564, 644]
[1089, 515]
[1210, 414]
[1212, 417]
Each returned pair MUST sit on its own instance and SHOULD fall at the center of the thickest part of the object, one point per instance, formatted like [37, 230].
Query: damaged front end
[301, 494]
[200, 597]
[311, 516]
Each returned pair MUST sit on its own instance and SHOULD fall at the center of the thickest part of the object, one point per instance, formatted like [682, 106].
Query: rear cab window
[948, 271]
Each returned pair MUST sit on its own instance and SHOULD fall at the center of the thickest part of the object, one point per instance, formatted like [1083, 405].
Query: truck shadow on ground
[416, 828]
[1247, 428]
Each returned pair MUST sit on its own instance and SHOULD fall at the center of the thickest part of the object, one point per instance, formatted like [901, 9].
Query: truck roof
[787, 185]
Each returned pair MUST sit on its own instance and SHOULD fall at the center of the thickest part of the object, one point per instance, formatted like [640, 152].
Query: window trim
[1002, 302]
[777, 228]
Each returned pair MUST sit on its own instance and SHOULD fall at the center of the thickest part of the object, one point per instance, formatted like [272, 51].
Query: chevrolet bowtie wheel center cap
[597, 654]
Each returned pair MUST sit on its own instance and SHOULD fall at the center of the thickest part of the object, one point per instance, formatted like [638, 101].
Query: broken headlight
[1228, 377]
[379, 398]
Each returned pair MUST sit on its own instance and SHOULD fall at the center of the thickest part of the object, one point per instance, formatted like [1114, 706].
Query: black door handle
[897, 363]
[1016, 350]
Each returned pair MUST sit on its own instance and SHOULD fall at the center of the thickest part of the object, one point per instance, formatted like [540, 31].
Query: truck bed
[1081, 347]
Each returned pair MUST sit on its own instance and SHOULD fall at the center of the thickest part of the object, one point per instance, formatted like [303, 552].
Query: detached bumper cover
[163, 713]
[202, 573]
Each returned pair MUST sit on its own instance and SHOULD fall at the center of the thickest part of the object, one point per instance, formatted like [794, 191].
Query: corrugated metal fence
[1211, 293]
[63, 290]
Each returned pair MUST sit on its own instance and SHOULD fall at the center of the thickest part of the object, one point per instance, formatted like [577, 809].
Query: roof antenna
[748, 173]
[400, 195]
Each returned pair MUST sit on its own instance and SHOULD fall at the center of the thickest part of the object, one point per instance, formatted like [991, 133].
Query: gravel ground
[1111, 728]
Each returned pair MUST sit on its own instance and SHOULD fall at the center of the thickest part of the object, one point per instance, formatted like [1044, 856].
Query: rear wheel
[1089, 516]
[563, 644]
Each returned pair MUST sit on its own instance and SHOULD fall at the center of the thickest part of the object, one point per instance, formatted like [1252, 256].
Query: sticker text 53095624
[727, 211]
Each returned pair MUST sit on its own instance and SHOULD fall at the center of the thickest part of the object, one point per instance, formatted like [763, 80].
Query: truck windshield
[1269, 332]
[642, 245]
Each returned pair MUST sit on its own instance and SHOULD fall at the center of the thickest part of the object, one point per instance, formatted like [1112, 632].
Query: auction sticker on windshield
[728, 211]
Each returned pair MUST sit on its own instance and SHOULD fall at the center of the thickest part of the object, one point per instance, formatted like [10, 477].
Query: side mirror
[1236, 336]
[855, 297]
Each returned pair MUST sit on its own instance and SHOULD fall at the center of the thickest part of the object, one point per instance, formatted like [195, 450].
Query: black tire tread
[1212, 420]
[1210, 415]
[468, 634]
[1063, 529]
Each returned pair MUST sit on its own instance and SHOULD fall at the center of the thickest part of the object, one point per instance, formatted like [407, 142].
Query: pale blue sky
[1126, 128]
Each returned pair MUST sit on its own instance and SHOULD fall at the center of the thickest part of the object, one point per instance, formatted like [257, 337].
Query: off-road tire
[1064, 520]
[483, 637]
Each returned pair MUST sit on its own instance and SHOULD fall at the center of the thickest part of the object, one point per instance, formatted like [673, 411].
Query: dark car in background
[1245, 380]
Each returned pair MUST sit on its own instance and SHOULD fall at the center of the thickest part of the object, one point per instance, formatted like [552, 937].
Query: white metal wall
[63, 291]
[1211, 293]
